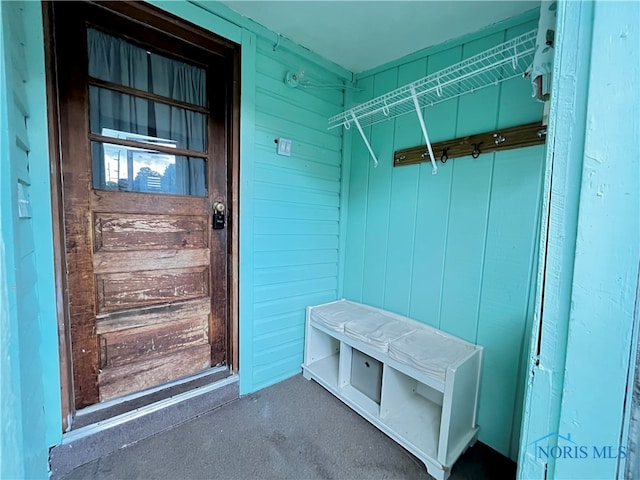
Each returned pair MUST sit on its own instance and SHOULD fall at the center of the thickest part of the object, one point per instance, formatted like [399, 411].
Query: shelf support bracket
[434, 169]
[364, 138]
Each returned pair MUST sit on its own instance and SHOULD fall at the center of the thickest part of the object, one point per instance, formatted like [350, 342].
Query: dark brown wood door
[143, 119]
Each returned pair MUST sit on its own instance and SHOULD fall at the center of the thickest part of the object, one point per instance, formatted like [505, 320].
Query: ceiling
[360, 35]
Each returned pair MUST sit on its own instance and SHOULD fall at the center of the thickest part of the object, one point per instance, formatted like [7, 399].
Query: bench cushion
[334, 315]
[377, 329]
[430, 351]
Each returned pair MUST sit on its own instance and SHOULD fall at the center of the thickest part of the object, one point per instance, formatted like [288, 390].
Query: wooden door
[146, 272]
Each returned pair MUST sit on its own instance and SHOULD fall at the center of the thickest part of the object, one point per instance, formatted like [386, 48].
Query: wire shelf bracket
[491, 67]
[416, 103]
[364, 137]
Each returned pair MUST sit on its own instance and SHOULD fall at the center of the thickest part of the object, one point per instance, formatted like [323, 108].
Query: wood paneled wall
[455, 250]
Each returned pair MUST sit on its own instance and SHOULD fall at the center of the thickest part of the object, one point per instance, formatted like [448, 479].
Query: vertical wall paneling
[402, 209]
[379, 191]
[506, 276]
[508, 260]
[525, 345]
[433, 203]
[360, 165]
[454, 250]
[468, 210]
[516, 113]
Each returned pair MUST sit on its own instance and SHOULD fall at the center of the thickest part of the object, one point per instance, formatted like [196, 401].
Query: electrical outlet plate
[284, 147]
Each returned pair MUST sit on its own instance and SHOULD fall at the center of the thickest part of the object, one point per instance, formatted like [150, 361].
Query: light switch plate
[284, 147]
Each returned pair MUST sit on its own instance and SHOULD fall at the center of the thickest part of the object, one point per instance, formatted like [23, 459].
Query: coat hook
[444, 157]
[475, 153]
[498, 139]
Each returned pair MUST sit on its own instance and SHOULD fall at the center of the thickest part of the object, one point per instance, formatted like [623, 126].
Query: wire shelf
[507, 60]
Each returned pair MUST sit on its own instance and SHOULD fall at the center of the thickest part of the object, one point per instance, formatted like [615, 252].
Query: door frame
[587, 286]
[186, 31]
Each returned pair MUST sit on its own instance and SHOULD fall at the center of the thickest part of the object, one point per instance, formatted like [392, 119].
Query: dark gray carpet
[293, 430]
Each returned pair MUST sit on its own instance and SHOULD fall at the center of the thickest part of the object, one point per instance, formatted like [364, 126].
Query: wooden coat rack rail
[475, 145]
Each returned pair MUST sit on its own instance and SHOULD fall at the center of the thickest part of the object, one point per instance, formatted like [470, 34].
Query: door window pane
[114, 111]
[117, 167]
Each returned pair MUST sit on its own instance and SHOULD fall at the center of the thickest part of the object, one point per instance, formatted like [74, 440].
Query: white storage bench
[415, 383]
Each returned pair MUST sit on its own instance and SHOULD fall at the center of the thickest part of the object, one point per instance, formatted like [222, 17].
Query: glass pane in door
[133, 169]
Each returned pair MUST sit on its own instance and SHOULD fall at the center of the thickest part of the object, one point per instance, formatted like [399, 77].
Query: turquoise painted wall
[296, 210]
[455, 250]
[30, 374]
[11, 455]
[587, 304]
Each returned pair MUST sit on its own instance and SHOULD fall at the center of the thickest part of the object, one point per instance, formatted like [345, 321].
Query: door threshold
[110, 409]
[85, 444]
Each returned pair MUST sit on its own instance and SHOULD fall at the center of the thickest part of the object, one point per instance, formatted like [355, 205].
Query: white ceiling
[360, 35]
